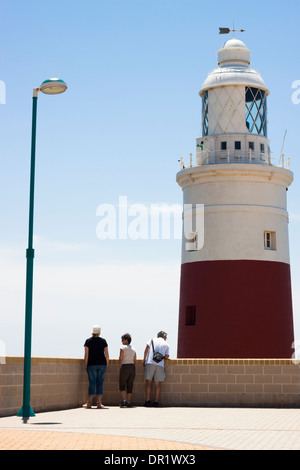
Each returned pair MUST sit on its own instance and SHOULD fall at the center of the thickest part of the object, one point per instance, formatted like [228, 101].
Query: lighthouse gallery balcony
[216, 157]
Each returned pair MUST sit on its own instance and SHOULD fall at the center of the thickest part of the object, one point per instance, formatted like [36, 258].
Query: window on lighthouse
[190, 315]
[256, 111]
[205, 114]
[270, 240]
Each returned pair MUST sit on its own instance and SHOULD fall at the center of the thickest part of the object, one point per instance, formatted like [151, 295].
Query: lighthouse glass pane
[205, 114]
[256, 111]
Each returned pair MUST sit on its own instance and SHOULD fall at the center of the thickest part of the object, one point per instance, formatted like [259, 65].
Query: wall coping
[63, 360]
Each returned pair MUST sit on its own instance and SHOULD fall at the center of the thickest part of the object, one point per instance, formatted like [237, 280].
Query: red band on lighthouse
[242, 309]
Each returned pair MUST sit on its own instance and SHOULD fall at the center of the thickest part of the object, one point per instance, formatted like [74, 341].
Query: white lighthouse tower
[235, 292]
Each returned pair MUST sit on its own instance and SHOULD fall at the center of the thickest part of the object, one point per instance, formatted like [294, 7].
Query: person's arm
[134, 358]
[106, 355]
[86, 356]
[146, 353]
[167, 355]
[121, 356]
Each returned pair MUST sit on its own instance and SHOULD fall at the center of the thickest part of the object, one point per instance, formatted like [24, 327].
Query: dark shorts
[126, 378]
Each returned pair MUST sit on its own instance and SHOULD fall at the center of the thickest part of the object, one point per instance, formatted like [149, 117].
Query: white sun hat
[96, 330]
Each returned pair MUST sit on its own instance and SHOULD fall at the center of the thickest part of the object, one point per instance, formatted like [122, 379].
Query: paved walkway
[139, 428]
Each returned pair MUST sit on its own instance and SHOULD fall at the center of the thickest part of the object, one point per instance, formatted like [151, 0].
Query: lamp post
[51, 86]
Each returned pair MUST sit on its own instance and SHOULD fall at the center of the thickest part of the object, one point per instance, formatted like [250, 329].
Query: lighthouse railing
[214, 157]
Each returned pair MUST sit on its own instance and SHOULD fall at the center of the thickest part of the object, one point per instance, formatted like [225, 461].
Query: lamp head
[53, 86]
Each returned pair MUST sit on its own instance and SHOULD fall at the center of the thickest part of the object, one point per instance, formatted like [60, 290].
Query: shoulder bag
[157, 356]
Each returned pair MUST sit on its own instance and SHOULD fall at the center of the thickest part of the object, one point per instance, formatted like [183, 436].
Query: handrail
[213, 157]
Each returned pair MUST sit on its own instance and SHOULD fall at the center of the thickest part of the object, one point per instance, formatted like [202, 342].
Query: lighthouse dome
[234, 52]
[234, 68]
[234, 43]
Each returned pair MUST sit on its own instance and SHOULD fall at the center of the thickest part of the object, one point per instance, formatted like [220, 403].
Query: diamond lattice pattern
[226, 110]
[256, 111]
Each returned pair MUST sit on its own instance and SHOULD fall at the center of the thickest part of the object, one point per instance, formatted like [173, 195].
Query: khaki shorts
[157, 373]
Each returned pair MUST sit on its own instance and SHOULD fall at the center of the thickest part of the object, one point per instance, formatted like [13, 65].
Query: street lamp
[52, 86]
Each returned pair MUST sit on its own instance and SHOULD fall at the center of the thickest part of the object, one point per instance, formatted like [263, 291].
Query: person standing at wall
[127, 360]
[96, 360]
[155, 370]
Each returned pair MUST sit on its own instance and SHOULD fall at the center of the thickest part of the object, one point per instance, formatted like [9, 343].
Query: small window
[223, 145]
[270, 240]
[251, 146]
[262, 148]
[190, 316]
[237, 145]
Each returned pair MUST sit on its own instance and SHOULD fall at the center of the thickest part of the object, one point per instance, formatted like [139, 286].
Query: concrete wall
[58, 383]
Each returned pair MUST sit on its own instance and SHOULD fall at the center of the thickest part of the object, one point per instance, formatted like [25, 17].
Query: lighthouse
[235, 288]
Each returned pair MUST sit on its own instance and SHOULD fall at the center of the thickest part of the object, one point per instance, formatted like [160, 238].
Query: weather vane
[227, 31]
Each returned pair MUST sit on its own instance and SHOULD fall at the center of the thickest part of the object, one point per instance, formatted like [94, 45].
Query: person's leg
[122, 386]
[130, 380]
[92, 376]
[149, 372]
[99, 384]
[159, 376]
[157, 391]
[148, 389]
[129, 397]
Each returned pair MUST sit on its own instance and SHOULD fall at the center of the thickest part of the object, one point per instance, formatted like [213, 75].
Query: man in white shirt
[155, 370]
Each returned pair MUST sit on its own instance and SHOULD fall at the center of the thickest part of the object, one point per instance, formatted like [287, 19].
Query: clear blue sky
[134, 69]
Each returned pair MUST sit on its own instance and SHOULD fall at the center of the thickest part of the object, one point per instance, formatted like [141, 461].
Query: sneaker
[155, 403]
[128, 404]
[123, 404]
[147, 403]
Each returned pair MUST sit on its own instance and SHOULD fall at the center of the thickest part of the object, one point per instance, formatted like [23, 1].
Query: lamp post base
[29, 413]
